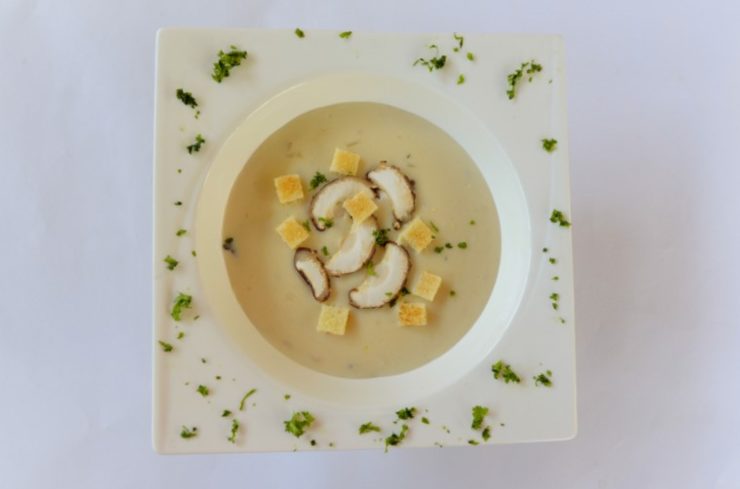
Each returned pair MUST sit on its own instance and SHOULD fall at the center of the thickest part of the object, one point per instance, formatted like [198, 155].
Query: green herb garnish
[562, 320]
[226, 413]
[370, 268]
[203, 390]
[462, 245]
[228, 245]
[549, 145]
[394, 439]
[472, 442]
[545, 250]
[325, 250]
[472, 222]
[244, 399]
[299, 33]
[555, 278]
[439, 249]
[188, 432]
[171, 262]
[165, 346]
[486, 433]
[529, 68]
[178, 203]
[368, 427]
[195, 147]
[345, 34]
[406, 413]
[381, 236]
[425, 420]
[435, 63]
[326, 222]
[181, 232]
[433, 226]
[181, 335]
[552, 261]
[182, 301]
[460, 41]
[317, 179]
[226, 61]
[186, 98]
[555, 297]
[544, 379]
[306, 225]
[470, 56]
[479, 413]
[453, 293]
[234, 430]
[299, 423]
[503, 371]
[558, 217]
[448, 246]
[192, 252]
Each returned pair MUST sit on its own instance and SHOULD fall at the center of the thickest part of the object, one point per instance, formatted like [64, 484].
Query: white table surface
[654, 105]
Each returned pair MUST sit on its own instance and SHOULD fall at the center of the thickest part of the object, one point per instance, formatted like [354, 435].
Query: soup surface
[450, 193]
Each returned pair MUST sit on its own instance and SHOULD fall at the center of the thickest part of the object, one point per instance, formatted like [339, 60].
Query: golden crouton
[333, 320]
[289, 188]
[345, 162]
[412, 314]
[360, 207]
[427, 286]
[292, 232]
[417, 234]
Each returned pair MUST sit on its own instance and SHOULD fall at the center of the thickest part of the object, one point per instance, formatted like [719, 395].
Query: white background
[654, 102]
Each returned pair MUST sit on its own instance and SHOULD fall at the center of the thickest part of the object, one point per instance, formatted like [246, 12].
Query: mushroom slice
[357, 248]
[398, 187]
[311, 269]
[386, 283]
[325, 202]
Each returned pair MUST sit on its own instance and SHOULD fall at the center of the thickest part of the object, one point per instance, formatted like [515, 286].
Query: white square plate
[531, 336]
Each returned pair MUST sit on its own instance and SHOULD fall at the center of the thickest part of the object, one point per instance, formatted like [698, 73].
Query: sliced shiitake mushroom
[325, 202]
[311, 269]
[356, 249]
[398, 187]
[386, 282]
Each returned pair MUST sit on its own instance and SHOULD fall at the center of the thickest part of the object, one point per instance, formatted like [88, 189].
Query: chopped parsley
[195, 147]
[504, 372]
[186, 98]
[192, 252]
[171, 262]
[368, 427]
[555, 278]
[545, 250]
[234, 430]
[317, 179]
[406, 413]
[544, 379]
[425, 420]
[472, 222]
[345, 34]
[181, 335]
[554, 298]
[448, 245]
[435, 63]
[326, 222]
[439, 249]
[244, 399]
[479, 413]
[226, 413]
[306, 225]
[558, 217]
[562, 320]
[178, 203]
[182, 301]
[453, 293]
[203, 390]
[470, 56]
[188, 432]
[553, 261]
[549, 145]
[395, 438]
[462, 245]
[286, 396]
[228, 245]
[226, 61]
[381, 236]
[313, 443]
[460, 79]
[460, 41]
[486, 433]
[370, 268]
[472, 442]
[528, 68]
[202, 360]
[299, 423]
[299, 33]
[325, 250]
[181, 232]
[165, 346]
[433, 226]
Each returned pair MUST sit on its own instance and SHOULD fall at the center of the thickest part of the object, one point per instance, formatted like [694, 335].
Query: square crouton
[345, 162]
[417, 234]
[412, 314]
[333, 320]
[360, 207]
[292, 232]
[427, 286]
[289, 188]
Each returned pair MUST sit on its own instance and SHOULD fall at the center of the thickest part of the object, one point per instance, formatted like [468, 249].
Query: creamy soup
[450, 193]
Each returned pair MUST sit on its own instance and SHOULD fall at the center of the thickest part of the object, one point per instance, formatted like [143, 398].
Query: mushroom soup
[423, 249]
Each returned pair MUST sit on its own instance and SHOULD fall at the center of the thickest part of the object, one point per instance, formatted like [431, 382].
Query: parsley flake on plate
[299, 33]
[543, 379]
[528, 68]
[186, 98]
[188, 432]
[195, 147]
[226, 61]
[558, 217]
[171, 262]
[244, 399]
[203, 390]
[396, 438]
[234, 430]
[165, 346]
[549, 145]
[504, 372]
[345, 34]
[368, 427]
[406, 413]
[182, 301]
[299, 423]
[435, 63]
[460, 42]
[317, 179]
[479, 413]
